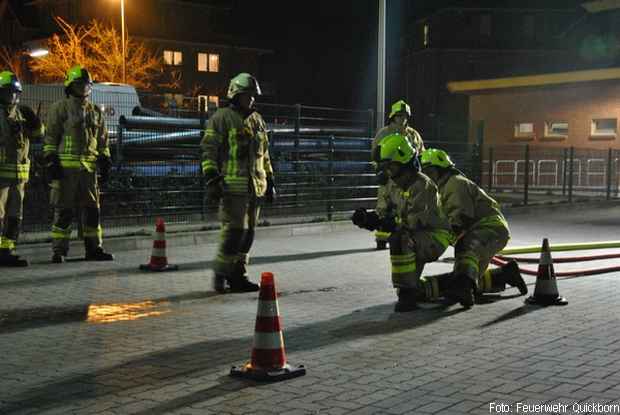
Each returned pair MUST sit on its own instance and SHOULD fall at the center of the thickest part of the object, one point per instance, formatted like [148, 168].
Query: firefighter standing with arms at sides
[237, 169]
[420, 232]
[398, 122]
[481, 230]
[75, 146]
[18, 125]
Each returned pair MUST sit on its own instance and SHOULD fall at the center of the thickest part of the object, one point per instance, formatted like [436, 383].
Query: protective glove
[104, 164]
[365, 220]
[270, 193]
[214, 189]
[53, 168]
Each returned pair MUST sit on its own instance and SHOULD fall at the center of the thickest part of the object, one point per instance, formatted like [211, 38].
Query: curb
[41, 251]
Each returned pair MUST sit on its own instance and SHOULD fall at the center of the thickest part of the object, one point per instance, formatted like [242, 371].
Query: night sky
[326, 51]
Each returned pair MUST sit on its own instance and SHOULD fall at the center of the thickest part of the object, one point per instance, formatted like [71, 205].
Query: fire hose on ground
[504, 257]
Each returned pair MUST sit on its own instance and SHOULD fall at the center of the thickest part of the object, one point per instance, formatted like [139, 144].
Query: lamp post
[381, 65]
[123, 37]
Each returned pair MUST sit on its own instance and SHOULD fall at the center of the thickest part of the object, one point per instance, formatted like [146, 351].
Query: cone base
[274, 375]
[157, 268]
[546, 300]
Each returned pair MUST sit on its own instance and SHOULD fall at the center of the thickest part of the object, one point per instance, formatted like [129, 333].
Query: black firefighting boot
[98, 254]
[239, 282]
[219, 282]
[508, 274]
[9, 259]
[462, 289]
[406, 300]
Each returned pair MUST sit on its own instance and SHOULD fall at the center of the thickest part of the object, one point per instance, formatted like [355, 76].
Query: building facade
[472, 43]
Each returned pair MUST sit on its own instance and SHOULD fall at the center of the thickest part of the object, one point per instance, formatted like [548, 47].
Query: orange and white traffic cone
[268, 361]
[159, 260]
[546, 291]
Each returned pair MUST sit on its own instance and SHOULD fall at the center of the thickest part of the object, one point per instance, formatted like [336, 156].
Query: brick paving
[105, 338]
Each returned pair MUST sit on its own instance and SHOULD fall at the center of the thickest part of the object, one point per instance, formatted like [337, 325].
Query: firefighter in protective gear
[398, 122]
[75, 145]
[18, 125]
[239, 176]
[480, 226]
[420, 232]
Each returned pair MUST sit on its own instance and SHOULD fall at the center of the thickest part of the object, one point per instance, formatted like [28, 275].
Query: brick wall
[576, 104]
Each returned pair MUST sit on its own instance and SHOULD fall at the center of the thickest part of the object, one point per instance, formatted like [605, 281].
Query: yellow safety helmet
[77, 72]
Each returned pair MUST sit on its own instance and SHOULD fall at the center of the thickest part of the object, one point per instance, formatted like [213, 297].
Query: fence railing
[560, 171]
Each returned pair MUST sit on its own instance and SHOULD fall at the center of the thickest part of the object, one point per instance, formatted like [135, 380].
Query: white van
[113, 99]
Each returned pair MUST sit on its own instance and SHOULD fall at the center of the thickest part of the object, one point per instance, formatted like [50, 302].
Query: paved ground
[93, 338]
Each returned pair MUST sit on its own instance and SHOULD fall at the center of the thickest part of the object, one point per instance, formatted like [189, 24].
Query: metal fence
[565, 172]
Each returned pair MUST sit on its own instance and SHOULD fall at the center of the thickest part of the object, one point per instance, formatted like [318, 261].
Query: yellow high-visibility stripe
[443, 236]
[495, 220]
[93, 232]
[6, 243]
[232, 152]
[403, 269]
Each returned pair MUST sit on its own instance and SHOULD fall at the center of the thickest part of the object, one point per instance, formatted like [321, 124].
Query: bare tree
[14, 61]
[98, 48]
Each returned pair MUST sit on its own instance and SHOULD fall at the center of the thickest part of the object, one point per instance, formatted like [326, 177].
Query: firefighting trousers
[238, 217]
[474, 250]
[78, 189]
[433, 287]
[11, 213]
[409, 252]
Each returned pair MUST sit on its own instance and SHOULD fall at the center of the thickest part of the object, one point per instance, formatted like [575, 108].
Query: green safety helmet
[435, 157]
[77, 72]
[244, 82]
[9, 80]
[396, 147]
[400, 106]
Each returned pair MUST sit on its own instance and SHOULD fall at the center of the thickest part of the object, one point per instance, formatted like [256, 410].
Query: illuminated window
[202, 62]
[604, 126]
[208, 62]
[173, 57]
[556, 129]
[426, 32]
[524, 129]
[211, 101]
[214, 62]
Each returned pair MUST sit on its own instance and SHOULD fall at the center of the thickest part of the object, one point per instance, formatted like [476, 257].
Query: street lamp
[123, 38]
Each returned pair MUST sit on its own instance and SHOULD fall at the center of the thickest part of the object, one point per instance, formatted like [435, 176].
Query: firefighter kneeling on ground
[237, 169]
[398, 123]
[481, 231]
[420, 232]
[18, 125]
[75, 145]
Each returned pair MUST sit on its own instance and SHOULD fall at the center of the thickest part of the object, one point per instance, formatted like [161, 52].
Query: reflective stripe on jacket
[18, 125]
[238, 149]
[76, 132]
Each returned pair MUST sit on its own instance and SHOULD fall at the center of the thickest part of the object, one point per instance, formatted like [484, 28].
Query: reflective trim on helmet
[400, 106]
